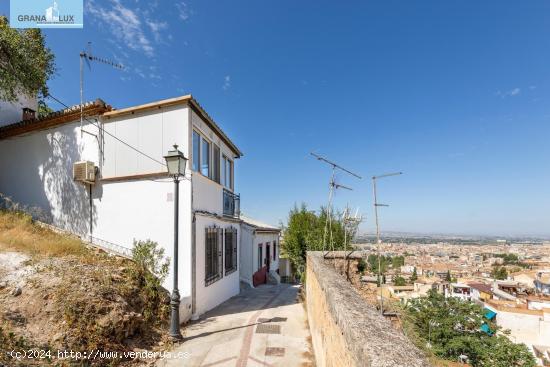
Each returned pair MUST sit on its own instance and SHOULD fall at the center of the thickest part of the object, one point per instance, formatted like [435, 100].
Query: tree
[26, 64]
[397, 261]
[499, 272]
[448, 276]
[305, 231]
[414, 276]
[453, 327]
[399, 281]
[361, 266]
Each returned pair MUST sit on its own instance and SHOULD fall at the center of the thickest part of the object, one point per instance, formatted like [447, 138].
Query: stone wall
[345, 330]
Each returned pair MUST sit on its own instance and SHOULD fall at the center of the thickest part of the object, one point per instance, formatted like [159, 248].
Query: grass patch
[19, 232]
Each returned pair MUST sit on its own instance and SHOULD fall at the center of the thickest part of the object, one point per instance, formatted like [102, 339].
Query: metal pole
[378, 245]
[330, 193]
[81, 90]
[430, 332]
[175, 299]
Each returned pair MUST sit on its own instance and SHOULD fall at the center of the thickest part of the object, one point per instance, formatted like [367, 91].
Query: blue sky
[453, 93]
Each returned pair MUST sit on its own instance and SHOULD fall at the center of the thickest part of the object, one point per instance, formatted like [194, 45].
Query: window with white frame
[227, 172]
[213, 254]
[230, 250]
[196, 150]
[210, 162]
[205, 157]
[216, 163]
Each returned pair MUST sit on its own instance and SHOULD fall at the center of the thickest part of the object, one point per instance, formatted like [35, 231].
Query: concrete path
[265, 326]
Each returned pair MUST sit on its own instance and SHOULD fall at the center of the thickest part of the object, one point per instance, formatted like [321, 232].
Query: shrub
[361, 266]
[150, 270]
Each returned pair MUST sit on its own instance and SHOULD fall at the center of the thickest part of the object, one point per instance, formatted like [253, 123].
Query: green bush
[361, 266]
[150, 270]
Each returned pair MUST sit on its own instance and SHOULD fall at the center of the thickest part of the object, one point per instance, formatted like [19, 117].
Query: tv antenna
[378, 241]
[86, 56]
[332, 187]
[351, 224]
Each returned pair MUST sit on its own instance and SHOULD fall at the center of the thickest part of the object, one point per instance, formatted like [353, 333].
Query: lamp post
[376, 205]
[175, 162]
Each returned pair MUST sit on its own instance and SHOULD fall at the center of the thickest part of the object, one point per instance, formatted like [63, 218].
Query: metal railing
[231, 204]
[108, 247]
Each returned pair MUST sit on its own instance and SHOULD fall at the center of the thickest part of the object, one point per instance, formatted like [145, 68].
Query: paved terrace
[265, 326]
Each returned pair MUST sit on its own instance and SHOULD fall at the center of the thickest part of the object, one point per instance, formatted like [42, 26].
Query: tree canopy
[452, 327]
[26, 64]
[499, 272]
[304, 232]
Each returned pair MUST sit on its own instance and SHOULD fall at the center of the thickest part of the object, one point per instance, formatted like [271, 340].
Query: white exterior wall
[37, 171]
[263, 239]
[144, 210]
[208, 297]
[525, 328]
[208, 194]
[153, 132]
[40, 174]
[246, 257]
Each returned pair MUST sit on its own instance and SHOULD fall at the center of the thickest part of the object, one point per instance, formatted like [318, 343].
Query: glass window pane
[196, 151]
[216, 163]
[205, 158]
[230, 174]
[224, 169]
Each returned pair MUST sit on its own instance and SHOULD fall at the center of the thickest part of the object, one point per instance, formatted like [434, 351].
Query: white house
[527, 323]
[260, 250]
[459, 290]
[131, 197]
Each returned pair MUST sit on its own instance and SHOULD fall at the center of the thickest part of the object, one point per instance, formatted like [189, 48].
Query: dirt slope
[82, 300]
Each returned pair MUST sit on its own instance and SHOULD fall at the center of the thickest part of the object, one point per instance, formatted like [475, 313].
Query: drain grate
[268, 329]
[275, 352]
[262, 320]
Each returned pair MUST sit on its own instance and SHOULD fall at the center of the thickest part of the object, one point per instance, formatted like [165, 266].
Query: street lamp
[175, 162]
[376, 205]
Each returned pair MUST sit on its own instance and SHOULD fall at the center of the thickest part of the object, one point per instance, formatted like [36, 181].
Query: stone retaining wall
[345, 330]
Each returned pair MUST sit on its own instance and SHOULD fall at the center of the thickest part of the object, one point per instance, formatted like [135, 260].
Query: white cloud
[509, 93]
[226, 82]
[514, 92]
[156, 28]
[183, 10]
[124, 24]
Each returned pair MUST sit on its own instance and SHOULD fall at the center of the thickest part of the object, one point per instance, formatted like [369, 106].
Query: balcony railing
[231, 204]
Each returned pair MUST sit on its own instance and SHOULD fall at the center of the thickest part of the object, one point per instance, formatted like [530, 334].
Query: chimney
[28, 114]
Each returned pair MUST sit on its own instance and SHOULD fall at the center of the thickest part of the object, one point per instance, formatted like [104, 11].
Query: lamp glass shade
[175, 162]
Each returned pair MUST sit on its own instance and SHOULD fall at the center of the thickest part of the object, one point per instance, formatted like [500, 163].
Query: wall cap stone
[370, 338]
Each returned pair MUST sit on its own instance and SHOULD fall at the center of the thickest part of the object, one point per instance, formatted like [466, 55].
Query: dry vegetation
[57, 294]
[18, 232]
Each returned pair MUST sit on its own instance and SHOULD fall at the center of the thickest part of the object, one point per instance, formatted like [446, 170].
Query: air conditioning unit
[84, 172]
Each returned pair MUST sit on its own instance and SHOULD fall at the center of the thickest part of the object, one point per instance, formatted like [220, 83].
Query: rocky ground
[83, 302]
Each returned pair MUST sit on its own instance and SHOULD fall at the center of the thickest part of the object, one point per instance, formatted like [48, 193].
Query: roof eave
[188, 100]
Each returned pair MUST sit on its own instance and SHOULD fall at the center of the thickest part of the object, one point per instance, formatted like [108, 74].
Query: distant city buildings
[509, 279]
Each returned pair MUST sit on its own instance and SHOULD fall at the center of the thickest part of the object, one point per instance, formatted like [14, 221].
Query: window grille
[213, 255]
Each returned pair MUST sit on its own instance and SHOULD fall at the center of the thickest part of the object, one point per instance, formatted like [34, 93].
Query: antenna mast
[87, 56]
[378, 241]
[332, 187]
